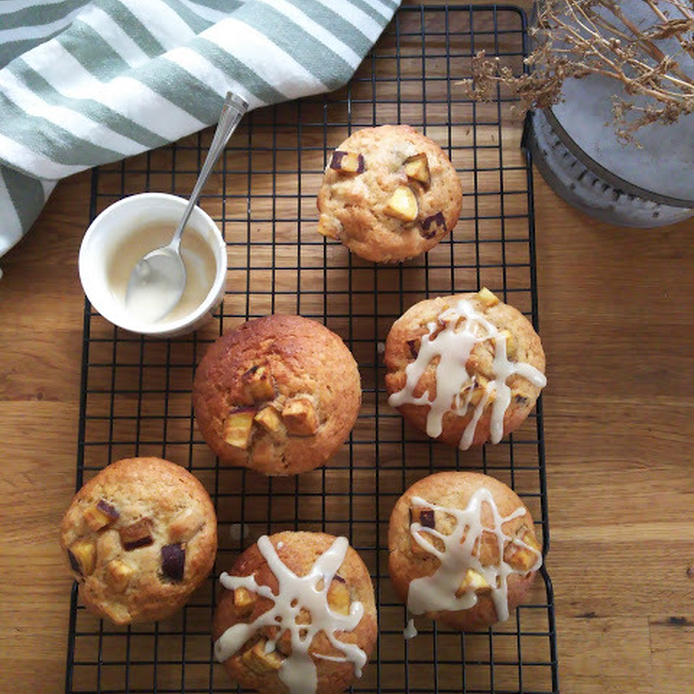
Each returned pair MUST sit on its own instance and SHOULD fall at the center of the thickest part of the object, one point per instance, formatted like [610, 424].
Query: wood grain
[616, 317]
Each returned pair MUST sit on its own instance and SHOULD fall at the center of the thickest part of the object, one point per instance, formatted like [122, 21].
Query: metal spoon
[158, 279]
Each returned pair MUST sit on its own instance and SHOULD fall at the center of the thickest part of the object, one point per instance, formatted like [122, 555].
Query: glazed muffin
[297, 614]
[465, 369]
[445, 560]
[278, 394]
[140, 537]
[389, 193]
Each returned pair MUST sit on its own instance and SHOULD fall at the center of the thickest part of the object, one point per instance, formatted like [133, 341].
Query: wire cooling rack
[136, 391]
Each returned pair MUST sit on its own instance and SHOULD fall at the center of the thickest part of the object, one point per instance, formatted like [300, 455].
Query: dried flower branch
[576, 38]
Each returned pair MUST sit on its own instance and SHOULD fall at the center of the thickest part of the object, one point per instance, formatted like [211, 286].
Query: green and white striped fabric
[84, 83]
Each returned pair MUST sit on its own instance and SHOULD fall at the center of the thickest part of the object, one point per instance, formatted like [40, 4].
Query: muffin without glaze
[389, 193]
[480, 585]
[140, 537]
[344, 611]
[278, 394]
[425, 352]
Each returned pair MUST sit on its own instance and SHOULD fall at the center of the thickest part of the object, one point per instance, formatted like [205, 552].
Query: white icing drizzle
[438, 591]
[454, 385]
[410, 631]
[333, 658]
[298, 671]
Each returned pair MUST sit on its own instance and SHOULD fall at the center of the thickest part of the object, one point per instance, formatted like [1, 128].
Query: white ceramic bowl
[106, 232]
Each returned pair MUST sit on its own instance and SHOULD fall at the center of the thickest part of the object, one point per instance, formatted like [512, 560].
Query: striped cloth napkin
[84, 83]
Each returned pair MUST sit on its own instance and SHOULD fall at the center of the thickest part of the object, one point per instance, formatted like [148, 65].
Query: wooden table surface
[617, 321]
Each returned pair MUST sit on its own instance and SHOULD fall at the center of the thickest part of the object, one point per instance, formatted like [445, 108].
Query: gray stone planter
[578, 153]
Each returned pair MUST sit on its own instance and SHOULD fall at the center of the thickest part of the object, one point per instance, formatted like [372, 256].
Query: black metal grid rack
[136, 391]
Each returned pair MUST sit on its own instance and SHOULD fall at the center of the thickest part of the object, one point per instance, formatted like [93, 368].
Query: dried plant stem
[647, 45]
[657, 11]
[576, 38]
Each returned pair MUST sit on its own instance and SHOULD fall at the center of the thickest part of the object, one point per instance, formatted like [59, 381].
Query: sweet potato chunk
[137, 534]
[118, 575]
[243, 601]
[238, 427]
[261, 662]
[431, 226]
[82, 555]
[473, 581]
[269, 418]
[300, 417]
[423, 515]
[417, 168]
[519, 557]
[100, 515]
[259, 384]
[510, 343]
[486, 297]
[402, 205]
[338, 596]
[347, 162]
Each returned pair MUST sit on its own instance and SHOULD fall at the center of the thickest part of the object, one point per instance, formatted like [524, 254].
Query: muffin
[296, 614]
[389, 193]
[140, 537]
[462, 549]
[465, 369]
[278, 394]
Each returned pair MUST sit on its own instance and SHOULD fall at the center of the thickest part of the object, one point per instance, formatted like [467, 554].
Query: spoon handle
[233, 111]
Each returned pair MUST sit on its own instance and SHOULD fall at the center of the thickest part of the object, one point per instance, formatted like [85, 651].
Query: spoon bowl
[157, 283]
[158, 280]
